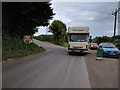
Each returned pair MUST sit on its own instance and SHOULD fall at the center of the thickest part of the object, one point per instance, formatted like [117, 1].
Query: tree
[101, 39]
[105, 39]
[21, 18]
[58, 28]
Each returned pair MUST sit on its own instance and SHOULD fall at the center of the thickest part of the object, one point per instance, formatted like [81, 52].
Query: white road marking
[86, 71]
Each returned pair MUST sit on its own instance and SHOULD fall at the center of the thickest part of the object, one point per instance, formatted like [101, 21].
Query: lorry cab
[78, 38]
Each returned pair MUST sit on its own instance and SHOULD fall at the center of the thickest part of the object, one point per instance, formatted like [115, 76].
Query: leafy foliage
[58, 28]
[99, 40]
[117, 45]
[22, 18]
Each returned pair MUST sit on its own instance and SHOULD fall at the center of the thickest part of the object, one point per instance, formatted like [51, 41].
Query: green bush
[117, 45]
[64, 44]
[104, 39]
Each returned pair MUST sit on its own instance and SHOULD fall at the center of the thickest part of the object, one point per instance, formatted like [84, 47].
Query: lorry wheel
[70, 53]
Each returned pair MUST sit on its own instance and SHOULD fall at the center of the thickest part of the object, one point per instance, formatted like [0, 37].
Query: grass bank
[15, 47]
[64, 44]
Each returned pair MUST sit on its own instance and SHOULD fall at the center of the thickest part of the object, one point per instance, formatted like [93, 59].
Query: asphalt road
[56, 69]
[102, 73]
[52, 69]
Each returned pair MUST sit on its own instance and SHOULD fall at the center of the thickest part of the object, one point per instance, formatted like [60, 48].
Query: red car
[93, 46]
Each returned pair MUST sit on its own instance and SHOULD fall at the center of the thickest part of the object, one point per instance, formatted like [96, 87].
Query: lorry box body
[78, 38]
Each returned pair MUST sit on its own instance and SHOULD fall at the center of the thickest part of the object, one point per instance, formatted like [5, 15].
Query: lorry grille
[77, 47]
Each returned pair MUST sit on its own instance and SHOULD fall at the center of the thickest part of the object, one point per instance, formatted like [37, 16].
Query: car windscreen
[78, 38]
[108, 45]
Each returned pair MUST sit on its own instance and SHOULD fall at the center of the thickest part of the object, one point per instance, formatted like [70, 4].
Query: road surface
[53, 69]
[56, 69]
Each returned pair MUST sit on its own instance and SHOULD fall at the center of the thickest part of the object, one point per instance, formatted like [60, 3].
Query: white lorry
[78, 39]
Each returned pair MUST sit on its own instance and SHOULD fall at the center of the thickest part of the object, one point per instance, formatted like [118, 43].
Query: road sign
[99, 54]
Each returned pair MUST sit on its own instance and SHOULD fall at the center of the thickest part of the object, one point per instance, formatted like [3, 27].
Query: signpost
[99, 54]
[119, 18]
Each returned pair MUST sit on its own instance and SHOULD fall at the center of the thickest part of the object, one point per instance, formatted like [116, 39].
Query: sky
[95, 15]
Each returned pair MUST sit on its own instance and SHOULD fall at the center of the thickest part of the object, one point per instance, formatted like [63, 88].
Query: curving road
[52, 69]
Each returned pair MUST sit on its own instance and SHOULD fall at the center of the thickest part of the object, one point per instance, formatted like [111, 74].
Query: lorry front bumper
[77, 50]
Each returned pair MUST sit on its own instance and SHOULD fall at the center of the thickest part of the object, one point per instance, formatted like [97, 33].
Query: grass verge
[15, 48]
[64, 44]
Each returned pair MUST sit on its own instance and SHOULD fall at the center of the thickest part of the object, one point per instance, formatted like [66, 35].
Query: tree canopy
[105, 39]
[58, 28]
[22, 18]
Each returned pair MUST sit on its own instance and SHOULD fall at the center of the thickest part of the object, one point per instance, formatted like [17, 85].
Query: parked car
[109, 49]
[93, 46]
[117, 40]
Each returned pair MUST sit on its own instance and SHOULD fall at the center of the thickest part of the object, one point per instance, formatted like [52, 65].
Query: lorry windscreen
[78, 38]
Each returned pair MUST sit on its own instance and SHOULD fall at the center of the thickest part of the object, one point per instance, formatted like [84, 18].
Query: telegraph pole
[115, 14]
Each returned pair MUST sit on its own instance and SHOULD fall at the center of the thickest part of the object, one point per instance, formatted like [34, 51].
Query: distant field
[50, 38]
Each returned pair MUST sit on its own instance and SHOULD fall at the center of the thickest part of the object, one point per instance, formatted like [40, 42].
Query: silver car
[109, 49]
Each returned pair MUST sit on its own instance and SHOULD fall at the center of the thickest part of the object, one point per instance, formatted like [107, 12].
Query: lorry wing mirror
[90, 39]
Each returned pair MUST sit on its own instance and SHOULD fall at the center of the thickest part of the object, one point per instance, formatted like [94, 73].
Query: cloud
[42, 30]
[62, 18]
[85, 0]
[92, 14]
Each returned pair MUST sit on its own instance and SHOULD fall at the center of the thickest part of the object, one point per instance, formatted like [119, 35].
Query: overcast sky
[95, 15]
